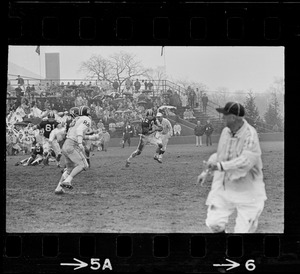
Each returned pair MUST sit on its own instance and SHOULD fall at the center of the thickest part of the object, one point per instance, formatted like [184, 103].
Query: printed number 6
[250, 266]
[95, 262]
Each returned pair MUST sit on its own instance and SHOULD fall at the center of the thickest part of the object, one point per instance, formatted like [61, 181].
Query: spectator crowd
[111, 107]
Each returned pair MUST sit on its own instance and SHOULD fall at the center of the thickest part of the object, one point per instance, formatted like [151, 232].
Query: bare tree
[99, 67]
[239, 95]
[220, 97]
[185, 83]
[158, 74]
[124, 66]
[182, 82]
[119, 66]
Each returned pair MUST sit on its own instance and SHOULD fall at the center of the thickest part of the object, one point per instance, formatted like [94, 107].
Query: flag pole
[40, 67]
[38, 51]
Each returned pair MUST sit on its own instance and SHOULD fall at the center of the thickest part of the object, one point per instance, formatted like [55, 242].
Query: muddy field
[146, 197]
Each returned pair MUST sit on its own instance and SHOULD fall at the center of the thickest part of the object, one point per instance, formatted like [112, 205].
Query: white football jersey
[57, 134]
[166, 125]
[78, 127]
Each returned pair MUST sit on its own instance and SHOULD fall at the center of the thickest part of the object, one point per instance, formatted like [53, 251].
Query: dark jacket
[199, 130]
[208, 129]
[204, 100]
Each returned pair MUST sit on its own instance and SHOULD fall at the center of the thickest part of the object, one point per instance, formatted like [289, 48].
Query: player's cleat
[16, 164]
[59, 191]
[66, 185]
[157, 159]
[127, 163]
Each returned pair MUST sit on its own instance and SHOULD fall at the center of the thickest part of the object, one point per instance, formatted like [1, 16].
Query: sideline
[263, 137]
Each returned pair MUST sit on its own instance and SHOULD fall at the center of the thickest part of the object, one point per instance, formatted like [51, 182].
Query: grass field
[146, 197]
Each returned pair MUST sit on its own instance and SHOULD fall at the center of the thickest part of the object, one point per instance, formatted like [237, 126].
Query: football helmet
[74, 112]
[51, 115]
[84, 111]
[149, 112]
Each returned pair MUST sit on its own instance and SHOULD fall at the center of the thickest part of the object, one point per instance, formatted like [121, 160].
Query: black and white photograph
[145, 139]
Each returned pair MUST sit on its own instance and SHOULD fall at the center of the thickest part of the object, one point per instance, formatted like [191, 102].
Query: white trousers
[198, 140]
[56, 147]
[247, 215]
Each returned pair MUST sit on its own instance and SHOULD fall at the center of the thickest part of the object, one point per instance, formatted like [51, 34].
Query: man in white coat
[237, 175]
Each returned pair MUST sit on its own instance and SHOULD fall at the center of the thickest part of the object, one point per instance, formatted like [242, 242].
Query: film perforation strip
[87, 28]
[272, 28]
[154, 250]
[124, 29]
[234, 246]
[239, 25]
[235, 28]
[124, 246]
[198, 246]
[193, 252]
[161, 245]
[50, 246]
[50, 28]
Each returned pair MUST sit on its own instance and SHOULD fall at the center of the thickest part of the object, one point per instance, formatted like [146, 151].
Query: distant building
[52, 67]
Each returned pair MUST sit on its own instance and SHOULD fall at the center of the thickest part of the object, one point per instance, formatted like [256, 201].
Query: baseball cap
[159, 114]
[232, 108]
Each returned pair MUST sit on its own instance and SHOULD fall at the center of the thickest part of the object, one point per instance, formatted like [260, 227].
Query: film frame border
[164, 24]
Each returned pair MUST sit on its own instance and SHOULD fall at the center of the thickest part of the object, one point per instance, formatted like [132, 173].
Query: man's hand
[205, 176]
[201, 179]
[212, 166]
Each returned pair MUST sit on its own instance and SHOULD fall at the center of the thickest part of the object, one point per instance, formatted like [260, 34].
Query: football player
[73, 149]
[47, 126]
[36, 157]
[74, 114]
[127, 131]
[164, 135]
[149, 128]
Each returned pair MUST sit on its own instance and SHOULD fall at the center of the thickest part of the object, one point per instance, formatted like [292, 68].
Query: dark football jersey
[147, 125]
[68, 122]
[128, 129]
[47, 127]
[38, 150]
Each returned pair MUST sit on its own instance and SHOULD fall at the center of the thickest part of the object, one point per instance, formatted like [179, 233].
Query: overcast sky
[236, 68]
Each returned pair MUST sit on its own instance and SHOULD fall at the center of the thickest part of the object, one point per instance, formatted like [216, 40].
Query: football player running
[73, 148]
[164, 135]
[149, 128]
[73, 114]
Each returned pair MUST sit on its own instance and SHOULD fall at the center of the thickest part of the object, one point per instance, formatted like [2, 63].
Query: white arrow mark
[80, 265]
[232, 264]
